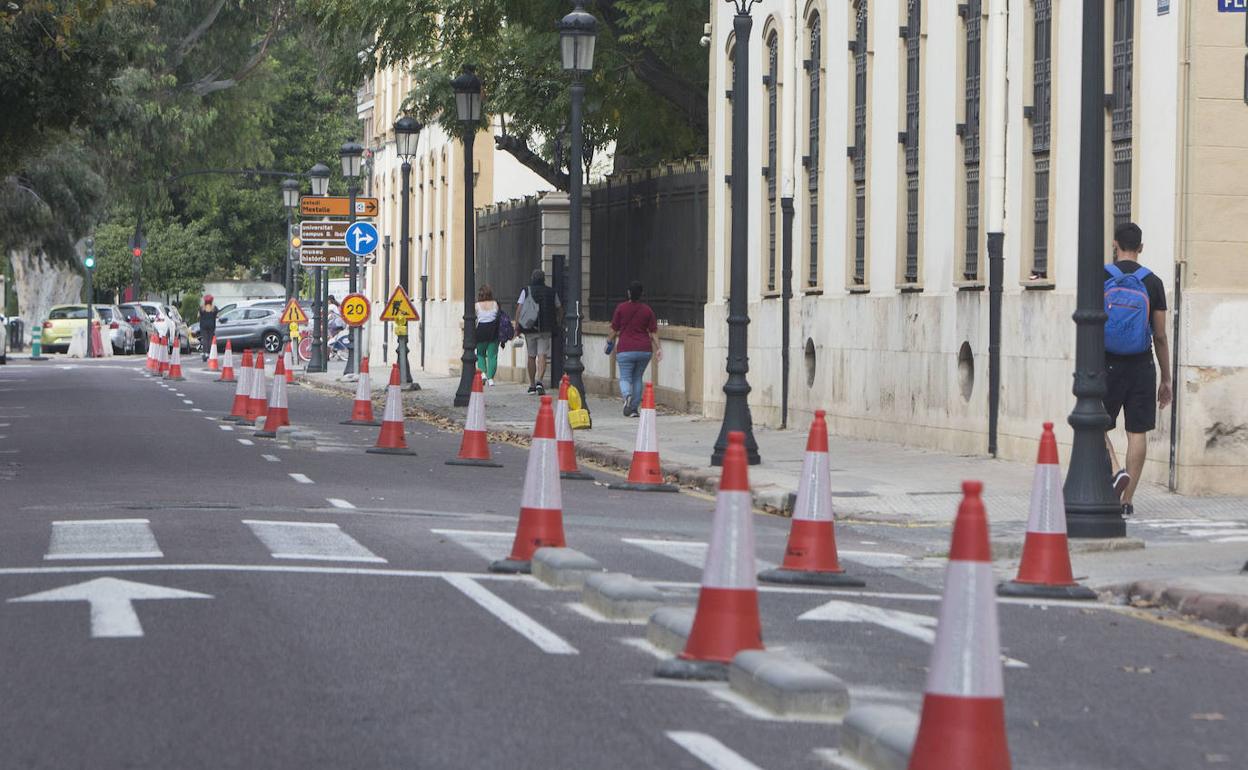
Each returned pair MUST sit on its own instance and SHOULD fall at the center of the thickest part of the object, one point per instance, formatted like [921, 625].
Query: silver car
[120, 332]
[166, 320]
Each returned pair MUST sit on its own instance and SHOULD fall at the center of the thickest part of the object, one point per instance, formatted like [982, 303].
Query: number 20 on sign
[355, 309]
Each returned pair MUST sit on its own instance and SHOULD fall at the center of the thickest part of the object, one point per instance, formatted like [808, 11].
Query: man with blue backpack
[1135, 329]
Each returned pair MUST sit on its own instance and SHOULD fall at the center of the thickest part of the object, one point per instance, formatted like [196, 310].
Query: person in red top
[635, 328]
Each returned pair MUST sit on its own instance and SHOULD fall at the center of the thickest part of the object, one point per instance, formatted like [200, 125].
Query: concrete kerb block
[880, 737]
[787, 686]
[620, 596]
[284, 433]
[563, 567]
[669, 628]
[1013, 549]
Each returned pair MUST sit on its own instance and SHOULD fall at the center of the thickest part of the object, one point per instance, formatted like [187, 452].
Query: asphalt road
[327, 608]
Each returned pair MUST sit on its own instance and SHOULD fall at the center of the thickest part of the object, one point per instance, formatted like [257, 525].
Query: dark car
[142, 325]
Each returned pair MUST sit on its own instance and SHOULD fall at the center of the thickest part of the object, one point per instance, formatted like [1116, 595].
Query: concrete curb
[1226, 609]
[619, 596]
[669, 628]
[787, 686]
[563, 567]
[880, 737]
[1013, 549]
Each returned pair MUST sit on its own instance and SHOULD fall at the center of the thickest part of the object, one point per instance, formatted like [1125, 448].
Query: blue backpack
[505, 329]
[1127, 328]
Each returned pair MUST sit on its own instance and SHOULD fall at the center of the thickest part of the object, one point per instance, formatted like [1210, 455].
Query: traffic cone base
[473, 462]
[957, 728]
[538, 528]
[366, 423]
[385, 450]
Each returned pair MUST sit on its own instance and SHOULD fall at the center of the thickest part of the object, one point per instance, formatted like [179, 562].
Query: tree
[647, 92]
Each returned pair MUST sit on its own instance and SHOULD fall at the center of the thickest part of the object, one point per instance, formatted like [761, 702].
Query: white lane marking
[112, 603]
[921, 627]
[226, 427]
[246, 442]
[1187, 523]
[187, 401]
[876, 558]
[272, 458]
[338, 502]
[103, 539]
[302, 479]
[688, 552]
[711, 752]
[490, 545]
[197, 409]
[180, 395]
[210, 419]
[545, 639]
[1236, 539]
[314, 541]
[1214, 532]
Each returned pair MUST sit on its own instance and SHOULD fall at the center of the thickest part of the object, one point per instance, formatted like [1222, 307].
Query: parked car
[237, 312]
[58, 330]
[138, 320]
[118, 328]
[4, 339]
[166, 319]
[252, 327]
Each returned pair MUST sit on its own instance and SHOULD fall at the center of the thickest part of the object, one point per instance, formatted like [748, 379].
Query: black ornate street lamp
[319, 174]
[352, 155]
[406, 134]
[578, 34]
[1092, 508]
[467, 87]
[737, 389]
[290, 199]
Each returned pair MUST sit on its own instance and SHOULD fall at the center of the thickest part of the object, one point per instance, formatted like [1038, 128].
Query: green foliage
[52, 204]
[179, 258]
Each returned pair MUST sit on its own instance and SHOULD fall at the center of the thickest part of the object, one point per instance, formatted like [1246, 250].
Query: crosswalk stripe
[688, 552]
[316, 541]
[710, 751]
[490, 545]
[103, 539]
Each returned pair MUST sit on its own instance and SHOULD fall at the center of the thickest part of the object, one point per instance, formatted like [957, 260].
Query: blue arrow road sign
[361, 239]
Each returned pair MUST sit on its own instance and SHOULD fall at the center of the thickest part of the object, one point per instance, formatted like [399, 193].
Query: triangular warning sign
[399, 307]
[293, 314]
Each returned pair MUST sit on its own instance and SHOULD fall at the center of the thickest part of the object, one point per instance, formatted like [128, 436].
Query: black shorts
[1132, 389]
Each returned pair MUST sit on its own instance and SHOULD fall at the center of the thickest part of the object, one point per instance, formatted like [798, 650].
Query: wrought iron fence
[509, 247]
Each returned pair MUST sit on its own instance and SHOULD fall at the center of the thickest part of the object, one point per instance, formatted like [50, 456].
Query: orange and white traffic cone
[963, 720]
[290, 364]
[242, 391]
[257, 400]
[150, 363]
[362, 409]
[163, 357]
[278, 414]
[726, 621]
[645, 473]
[175, 366]
[568, 468]
[1044, 571]
[474, 449]
[391, 440]
[213, 364]
[227, 364]
[810, 558]
[541, 503]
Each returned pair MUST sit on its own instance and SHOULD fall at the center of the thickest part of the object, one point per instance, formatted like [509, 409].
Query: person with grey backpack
[538, 314]
[1135, 330]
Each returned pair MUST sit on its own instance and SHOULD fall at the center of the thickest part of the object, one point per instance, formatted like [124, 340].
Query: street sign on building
[336, 206]
[320, 232]
[399, 307]
[361, 239]
[355, 309]
[324, 256]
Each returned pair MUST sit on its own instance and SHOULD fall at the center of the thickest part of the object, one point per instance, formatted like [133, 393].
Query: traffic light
[295, 242]
[89, 260]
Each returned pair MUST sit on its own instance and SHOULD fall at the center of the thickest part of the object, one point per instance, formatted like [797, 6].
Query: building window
[971, 141]
[1041, 133]
[913, 17]
[1120, 109]
[860, 142]
[813, 67]
[773, 114]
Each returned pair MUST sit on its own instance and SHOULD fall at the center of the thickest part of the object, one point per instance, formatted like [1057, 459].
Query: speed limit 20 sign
[355, 309]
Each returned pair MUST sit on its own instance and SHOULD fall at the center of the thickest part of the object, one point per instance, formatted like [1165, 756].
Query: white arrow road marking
[711, 752]
[111, 599]
[921, 627]
[103, 539]
[546, 640]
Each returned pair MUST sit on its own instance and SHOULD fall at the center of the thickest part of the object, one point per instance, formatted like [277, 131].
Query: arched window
[815, 108]
[913, 80]
[860, 142]
[771, 81]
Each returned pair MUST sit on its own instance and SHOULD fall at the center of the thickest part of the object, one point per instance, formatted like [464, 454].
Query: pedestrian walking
[207, 325]
[634, 340]
[1135, 331]
[538, 313]
[487, 333]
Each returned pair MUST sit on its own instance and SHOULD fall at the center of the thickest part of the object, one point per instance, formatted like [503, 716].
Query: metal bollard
[36, 344]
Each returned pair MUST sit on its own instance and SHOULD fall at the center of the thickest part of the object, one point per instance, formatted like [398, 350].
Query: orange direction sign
[355, 309]
[336, 206]
[324, 256]
[399, 307]
[293, 314]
